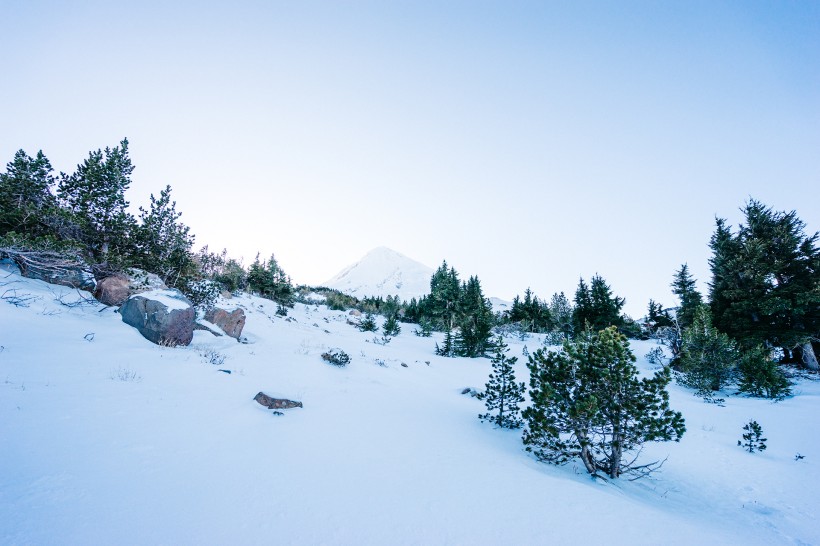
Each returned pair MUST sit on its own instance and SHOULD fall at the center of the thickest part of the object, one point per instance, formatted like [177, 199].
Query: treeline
[84, 215]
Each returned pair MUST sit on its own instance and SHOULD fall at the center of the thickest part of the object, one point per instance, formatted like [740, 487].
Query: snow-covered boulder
[231, 323]
[164, 317]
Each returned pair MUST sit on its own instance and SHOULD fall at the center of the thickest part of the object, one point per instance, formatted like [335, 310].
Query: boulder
[231, 323]
[355, 313]
[276, 403]
[164, 317]
[116, 288]
[113, 290]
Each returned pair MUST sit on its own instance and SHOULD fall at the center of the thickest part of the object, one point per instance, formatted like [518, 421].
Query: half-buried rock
[276, 403]
[164, 317]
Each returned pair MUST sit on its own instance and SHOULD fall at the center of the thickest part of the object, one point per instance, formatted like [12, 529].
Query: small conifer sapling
[753, 437]
[503, 394]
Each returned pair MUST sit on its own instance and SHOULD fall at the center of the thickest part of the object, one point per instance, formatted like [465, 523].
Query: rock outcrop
[231, 323]
[164, 317]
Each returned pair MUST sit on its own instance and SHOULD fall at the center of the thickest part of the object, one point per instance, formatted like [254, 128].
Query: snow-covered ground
[106, 438]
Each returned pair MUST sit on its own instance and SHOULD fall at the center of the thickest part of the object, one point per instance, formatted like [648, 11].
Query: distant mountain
[383, 272]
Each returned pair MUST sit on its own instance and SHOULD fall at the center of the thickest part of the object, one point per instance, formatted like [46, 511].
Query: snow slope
[383, 272]
[106, 438]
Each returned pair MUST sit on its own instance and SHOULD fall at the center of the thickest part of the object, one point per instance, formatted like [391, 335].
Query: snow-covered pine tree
[503, 394]
[753, 437]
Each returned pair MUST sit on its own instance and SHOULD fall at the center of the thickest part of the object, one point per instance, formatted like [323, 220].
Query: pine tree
[391, 326]
[476, 321]
[708, 357]
[368, 323]
[95, 196]
[588, 402]
[582, 312]
[25, 195]
[163, 244]
[448, 348]
[561, 313]
[760, 376]
[269, 280]
[596, 306]
[684, 287]
[765, 285]
[441, 306]
[753, 437]
[503, 394]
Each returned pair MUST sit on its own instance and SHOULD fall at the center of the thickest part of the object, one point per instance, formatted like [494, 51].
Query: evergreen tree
[596, 306]
[476, 321]
[684, 287]
[561, 312]
[391, 326]
[760, 376]
[503, 394]
[269, 280]
[441, 306]
[658, 317]
[95, 196]
[708, 357]
[765, 285]
[448, 348]
[588, 402]
[753, 437]
[368, 323]
[163, 244]
[25, 195]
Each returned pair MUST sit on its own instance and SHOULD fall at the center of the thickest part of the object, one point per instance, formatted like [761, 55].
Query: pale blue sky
[527, 143]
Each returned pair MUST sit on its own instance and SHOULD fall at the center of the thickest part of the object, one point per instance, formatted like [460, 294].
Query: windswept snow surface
[108, 439]
[383, 272]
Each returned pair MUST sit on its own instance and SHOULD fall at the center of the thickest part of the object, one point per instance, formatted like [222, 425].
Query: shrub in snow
[588, 403]
[368, 323]
[708, 357]
[753, 437]
[391, 327]
[760, 376]
[337, 357]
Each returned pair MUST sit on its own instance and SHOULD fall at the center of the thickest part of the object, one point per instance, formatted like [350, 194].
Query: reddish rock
[231, 323]
[276, 403]
[113, 290]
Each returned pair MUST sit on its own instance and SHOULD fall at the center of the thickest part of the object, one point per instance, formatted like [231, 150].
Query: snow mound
[383, 272]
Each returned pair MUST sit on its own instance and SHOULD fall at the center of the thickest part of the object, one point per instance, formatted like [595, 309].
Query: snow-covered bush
[337, 357]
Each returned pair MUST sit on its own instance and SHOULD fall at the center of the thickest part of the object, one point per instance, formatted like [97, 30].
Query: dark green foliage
[270, 281]
[588, 403]
[441, 306]
[26, 202]
[448, 346]
[163, 244]
[658, 317]
[475, 321]
[765, 285]
[753, 437]
[391, 327]
[708, 359]
[502, 394]
[684, 287]
[596, 307]
[94, 195]
[336, 357]
[368, 323]
[425, 328]
[531, 312]
[760, 376]
[225, 271]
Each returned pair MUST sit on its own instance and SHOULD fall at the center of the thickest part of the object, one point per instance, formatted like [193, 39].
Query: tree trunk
[809, 358]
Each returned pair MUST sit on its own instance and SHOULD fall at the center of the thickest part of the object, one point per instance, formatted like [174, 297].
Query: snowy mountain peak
[383, 272]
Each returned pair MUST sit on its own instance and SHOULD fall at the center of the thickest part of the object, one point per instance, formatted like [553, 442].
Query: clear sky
[526, 143]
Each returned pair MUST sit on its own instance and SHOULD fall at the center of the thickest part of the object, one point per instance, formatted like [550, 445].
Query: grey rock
[276, 403]
[231, 323]
[158, 322]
